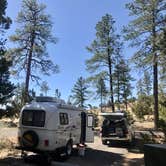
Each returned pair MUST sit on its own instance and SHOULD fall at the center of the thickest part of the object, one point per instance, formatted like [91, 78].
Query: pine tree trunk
[155, 72]
[126, 101]
[118, 92]
[28, 72]
[110, 79]
[155, 93]
[101, 100]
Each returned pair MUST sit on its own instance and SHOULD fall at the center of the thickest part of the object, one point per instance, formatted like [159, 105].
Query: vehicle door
[89, 128]
[63, 128]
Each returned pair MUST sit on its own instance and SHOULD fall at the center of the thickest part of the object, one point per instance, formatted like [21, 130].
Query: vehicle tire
[48, 160]
[132, 142]
[69, 148]
[104, 142]
[30, 139]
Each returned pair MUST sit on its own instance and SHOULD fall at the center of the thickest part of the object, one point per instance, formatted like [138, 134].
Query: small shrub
[146, 138]
[162, 125]
[129, 117]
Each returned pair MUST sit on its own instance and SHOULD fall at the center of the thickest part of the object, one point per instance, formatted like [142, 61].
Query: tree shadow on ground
[95, 157]
[136, 146]
[12, 161]
[135, 162]
[92, 157]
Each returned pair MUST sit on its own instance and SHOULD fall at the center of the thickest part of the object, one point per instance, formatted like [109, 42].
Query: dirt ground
[110, 155]
[96, 154]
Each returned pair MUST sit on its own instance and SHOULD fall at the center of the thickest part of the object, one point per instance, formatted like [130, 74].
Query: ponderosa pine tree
[44, 88]
[103, 49]
[149, 19]
[122, 82]
[101, 91]
[6, 87]
[80, 92]
[32, 37]
[140, 89]
[5, 21]
[147, 83]
[57, 94]
[162, 46]
[144, 85]
[125, 82]
[117, 76]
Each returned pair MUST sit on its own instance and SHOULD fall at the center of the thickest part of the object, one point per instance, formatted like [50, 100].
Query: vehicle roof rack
[49, 99]
[60, 103]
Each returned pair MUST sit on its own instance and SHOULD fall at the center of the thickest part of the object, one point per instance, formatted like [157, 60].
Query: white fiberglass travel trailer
[51, 127]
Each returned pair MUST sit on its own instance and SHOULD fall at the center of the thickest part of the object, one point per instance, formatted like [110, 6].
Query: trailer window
[90, 121]
[33, 118]
[63, 118]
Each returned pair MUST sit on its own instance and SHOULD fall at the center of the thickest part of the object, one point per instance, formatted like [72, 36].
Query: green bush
[162, 125]
[162, 107]
[143, 106]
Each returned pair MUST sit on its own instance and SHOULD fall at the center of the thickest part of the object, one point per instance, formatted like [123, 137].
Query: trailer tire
[69, 148]
[30, 139]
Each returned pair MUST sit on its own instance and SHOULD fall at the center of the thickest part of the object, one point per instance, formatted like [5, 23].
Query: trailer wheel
[69, 148]
[30, 139]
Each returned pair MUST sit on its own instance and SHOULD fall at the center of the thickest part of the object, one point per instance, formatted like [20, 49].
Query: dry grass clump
[9, 122]
[7, 147]
[6, 144]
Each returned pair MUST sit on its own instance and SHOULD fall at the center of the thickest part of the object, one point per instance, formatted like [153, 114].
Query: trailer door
[89, 128]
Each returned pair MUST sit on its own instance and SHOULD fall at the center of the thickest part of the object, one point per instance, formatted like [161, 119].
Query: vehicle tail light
[46, 142]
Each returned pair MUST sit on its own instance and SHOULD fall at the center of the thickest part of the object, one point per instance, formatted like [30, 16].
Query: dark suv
[116, 127]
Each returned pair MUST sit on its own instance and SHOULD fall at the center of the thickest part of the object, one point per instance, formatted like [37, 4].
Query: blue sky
[74, 26]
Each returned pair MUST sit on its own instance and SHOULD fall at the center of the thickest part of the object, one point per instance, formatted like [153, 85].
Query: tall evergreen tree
[149, 20]
[125, 82]
[6, 87]
[5, 21]
[44, 87]
[19, 97]
[80, 92]
[117, 76]
[103, 49]
[162, 42]
[147, 83]
[101, 91]
[162, 46]
[140, 89]
[57, 94]
[122, 79]
[32, 37]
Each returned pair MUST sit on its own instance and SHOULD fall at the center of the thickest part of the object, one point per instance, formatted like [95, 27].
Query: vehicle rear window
[63, 118]
[33, 118]
[112, 119]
